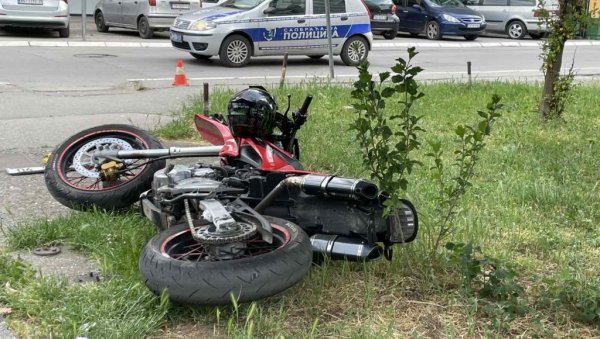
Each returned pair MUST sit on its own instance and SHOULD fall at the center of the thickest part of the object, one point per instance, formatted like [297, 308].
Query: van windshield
[241, 4]
[445, 3]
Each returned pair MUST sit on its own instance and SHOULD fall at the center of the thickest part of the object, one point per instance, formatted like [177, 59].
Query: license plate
[176, 37]
[473, 25]
[31, 2]
[379, 17]
[175, 5]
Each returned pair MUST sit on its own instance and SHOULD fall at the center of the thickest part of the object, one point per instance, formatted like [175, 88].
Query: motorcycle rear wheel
[73, 180]
[175, 262]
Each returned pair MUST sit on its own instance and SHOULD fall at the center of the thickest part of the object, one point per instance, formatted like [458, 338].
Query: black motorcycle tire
[203, 282]
[112, 198]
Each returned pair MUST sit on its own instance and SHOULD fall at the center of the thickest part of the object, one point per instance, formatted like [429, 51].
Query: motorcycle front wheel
[75, 180]
[191, 273]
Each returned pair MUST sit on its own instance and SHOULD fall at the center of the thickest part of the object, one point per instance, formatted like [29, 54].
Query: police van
[237, 30]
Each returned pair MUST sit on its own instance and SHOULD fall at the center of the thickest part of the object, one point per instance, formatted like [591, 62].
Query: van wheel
[355, 50]
[389, 35]
[235, 51]
[516, 29]
[100, 23]
[432, 30]
[64, 32]
[144, 28]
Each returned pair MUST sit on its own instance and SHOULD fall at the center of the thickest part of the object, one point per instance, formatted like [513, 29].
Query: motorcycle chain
[247, 231]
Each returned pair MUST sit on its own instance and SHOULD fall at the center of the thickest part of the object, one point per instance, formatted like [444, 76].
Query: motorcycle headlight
[202, 25]
[449, 18]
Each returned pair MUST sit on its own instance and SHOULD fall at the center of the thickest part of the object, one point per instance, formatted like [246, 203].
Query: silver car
[146, 16]
[516, 18]
[48, 14]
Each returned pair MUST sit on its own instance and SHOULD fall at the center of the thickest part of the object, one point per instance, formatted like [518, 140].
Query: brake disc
[82, 161]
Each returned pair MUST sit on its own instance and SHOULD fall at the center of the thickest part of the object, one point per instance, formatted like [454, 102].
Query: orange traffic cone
[180, 79]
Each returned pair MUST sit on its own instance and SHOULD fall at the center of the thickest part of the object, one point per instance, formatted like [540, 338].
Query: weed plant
[533, 208]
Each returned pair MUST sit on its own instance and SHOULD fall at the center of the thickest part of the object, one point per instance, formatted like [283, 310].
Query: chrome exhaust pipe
[323, 185]
[344, 248]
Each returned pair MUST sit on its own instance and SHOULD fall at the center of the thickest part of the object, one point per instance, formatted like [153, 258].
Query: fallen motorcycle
[249, 225]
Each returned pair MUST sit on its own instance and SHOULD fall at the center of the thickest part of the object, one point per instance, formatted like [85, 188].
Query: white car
[48, 14]
[146, 16]
[237, 30]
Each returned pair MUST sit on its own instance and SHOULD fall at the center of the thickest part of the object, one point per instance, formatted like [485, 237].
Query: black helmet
[251, 112]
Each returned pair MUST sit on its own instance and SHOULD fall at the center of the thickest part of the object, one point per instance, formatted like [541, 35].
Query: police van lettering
[291, 33]
[303, 33]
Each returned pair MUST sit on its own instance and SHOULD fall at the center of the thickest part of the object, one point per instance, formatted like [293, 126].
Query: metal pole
[328, 23]
[205, 95]
[83, 18]
[283, 70]
[469, 71]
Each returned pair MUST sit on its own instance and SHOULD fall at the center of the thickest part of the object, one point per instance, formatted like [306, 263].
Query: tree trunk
[562, 31]
[550, 79]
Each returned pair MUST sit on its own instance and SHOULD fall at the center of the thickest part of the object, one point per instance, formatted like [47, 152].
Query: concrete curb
[376, 45]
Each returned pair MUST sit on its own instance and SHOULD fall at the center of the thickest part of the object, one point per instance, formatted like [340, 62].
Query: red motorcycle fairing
[217, 133]
[261, 154]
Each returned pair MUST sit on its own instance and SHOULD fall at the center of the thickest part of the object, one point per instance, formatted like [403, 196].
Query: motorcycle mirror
[289, 96]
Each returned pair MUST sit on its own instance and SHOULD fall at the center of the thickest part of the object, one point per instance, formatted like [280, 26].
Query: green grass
[534, 205]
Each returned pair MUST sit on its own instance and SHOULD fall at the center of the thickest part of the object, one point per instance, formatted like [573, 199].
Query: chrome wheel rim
[356, 51]
[237, 51]
[515, 31]
[432, 30]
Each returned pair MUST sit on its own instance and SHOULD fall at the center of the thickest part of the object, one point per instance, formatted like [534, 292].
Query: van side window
[335, 6]
[494, 3]
[528, 3]
[288, 7]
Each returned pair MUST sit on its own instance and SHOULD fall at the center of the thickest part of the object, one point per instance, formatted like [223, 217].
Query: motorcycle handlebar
[305, 105]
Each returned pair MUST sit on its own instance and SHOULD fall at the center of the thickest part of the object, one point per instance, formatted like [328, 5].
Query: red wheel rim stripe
[59, 161]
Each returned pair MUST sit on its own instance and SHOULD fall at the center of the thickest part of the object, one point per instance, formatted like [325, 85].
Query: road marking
[48, 44]
[14, 43]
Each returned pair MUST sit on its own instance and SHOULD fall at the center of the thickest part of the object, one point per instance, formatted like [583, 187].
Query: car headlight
[450, 18]
[202, 25]
[482, 18]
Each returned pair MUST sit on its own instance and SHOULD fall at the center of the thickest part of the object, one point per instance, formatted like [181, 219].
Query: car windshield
[445, 3]
[241, 4]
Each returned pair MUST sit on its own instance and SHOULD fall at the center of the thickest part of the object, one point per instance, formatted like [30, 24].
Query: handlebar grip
[305, 105]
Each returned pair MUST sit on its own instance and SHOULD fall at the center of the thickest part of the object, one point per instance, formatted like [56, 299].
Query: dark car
[437, 18]
[383, 17]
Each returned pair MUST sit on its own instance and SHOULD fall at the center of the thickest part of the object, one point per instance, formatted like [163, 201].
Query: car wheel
[432, 30]
[64, 32]
[235, 51]
[100, 23]
[316, 57]
[144, 28]
[354, 51]
[516, 29]
[201, 56]
[389, 35]
[471, 37]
